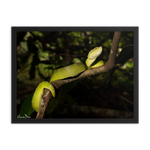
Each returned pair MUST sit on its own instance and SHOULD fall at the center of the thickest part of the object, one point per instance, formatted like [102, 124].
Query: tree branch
[102, 69]
[47, 96]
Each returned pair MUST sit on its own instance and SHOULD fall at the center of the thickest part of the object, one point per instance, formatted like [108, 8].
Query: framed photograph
[74, 75]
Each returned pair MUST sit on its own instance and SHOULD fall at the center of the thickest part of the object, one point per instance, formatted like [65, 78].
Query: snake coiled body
[65, 72]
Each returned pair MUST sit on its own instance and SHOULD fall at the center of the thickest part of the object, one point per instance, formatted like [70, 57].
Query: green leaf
[26, 108]
[60, 96]
[52, 105]
[125, 55]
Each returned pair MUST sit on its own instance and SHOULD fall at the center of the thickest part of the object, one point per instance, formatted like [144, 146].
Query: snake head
[92, 55]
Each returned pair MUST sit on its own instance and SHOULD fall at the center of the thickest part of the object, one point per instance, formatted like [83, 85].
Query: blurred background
[108, 95]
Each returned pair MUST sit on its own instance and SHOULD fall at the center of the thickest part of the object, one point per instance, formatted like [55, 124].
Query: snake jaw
[92, 55]
[89, 62]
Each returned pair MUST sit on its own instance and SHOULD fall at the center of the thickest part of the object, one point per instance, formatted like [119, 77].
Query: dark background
[108, 95]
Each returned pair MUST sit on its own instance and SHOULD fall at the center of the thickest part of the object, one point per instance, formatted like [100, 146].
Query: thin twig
[82, 55]
[125, 99]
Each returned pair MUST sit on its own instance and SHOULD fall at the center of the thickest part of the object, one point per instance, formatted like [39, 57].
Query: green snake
[65, 72]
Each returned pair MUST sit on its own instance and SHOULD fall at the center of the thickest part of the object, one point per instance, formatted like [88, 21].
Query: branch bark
[102, 69]
[47, 96]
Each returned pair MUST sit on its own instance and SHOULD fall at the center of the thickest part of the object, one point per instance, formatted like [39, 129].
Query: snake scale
[65, 72]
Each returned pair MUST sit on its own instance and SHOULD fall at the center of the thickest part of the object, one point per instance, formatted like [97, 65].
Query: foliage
[26, 108]
[40, 53]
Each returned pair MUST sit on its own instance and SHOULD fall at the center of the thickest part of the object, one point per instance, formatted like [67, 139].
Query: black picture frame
[16, 29]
